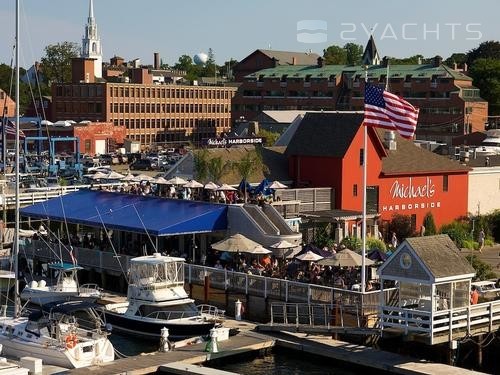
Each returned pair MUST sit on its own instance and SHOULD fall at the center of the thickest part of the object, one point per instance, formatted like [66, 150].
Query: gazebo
[432, 281]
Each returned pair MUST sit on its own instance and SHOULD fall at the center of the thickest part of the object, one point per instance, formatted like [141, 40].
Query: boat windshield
[145, 274]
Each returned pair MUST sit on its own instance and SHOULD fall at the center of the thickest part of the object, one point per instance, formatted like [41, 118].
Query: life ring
[71, 341]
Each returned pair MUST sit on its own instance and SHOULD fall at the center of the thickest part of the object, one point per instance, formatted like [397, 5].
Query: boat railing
[91, 289]
[211, 312]
[170, 315]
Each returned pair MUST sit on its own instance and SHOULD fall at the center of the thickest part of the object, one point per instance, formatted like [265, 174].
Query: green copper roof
[426, 71]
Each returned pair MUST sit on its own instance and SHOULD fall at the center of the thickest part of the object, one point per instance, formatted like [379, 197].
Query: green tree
[57, 61]
[373, 243]
[486, 50]
[486, 75]
[354, 53]
[323, 236]
[412, 60]
[248, 165]
[456, 58]
[226, 70]
[335, 55]
[210, 66]
[217, 168]
[201, 160]
[401, 225]
[271, 137]
[494, 222]
[430, 226]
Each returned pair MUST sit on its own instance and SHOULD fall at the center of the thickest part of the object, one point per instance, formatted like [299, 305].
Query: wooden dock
[248, 340]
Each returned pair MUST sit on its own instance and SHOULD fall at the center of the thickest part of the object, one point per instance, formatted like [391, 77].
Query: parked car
[487, 290]
[142, 164]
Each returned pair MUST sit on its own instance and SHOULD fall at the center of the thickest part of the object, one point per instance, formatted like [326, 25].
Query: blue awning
[134, 213]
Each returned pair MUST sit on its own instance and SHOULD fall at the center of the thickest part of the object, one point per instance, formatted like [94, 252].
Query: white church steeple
[91, 43]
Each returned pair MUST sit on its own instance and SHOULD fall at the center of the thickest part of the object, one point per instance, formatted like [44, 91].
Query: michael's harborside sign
[233, 141]
[408, 195]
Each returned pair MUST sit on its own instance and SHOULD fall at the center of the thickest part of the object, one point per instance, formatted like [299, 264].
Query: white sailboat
[55, 336]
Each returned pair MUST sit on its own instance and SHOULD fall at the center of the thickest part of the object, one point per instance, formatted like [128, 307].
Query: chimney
[385, 61]
[455, 66]
[321, 62]
[294, 60]
[466, 67]
[437, 61]
[276, 62]
[253, 128]
[419, 61]
[390, 140]
[156, 59]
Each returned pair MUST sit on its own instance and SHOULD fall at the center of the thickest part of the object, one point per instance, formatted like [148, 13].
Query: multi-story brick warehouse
[449, 103]
[151, 113]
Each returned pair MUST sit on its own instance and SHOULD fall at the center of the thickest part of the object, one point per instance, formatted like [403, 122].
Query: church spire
[370, 55]
[91, 43]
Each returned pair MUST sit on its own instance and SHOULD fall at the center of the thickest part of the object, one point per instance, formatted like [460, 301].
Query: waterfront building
[263, 59]
[450, 105]
[8, 105]
[402, 178]
[151, 113]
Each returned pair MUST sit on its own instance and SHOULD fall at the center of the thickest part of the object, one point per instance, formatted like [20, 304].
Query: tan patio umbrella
[193, 184]
[346, 258]
[235, 243]
[129, 177]
[211, 186]
[309, 256]
[258, 250]
[98, 176]
[143, 177]
[283, 244]
[114, 176]
[226, 187]
[160, 180]
[177, 181]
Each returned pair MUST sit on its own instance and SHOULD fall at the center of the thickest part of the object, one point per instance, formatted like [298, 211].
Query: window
[445, 183]
[355, 190]
[361, 156]
[87, 146]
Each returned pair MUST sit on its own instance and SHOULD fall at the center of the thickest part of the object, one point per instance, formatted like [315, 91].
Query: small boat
[69, 334]
[156, 298]
[66, 287]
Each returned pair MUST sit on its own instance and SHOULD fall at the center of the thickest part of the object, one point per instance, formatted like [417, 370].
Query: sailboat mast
[16, 229]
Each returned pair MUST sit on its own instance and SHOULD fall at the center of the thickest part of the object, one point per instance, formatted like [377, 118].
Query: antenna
[142, 223]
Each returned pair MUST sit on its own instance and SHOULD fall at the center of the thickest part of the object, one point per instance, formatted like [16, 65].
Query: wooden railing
[448, 322]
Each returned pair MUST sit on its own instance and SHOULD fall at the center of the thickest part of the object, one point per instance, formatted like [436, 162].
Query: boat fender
[71, 341]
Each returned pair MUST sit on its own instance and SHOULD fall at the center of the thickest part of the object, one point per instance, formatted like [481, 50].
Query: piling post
[206, 288]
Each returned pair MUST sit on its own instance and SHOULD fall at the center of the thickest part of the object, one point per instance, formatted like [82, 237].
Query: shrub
[483, 270]
[430, 226]
[374, 243]
[353, 243]
[457, 231]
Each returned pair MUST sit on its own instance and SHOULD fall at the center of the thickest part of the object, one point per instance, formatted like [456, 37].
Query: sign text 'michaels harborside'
[229, 141]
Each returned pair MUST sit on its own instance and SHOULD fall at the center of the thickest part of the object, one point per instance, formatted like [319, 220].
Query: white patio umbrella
[98, 176]
[114, 176]
[258, 250]
[211, 186]
[193, 184]
[277, 185]
[226, 187]
[177, 181]
[129, 177]
[309, 256]
[283, 244]
[236, 243]
[143, 177]
[346, 258]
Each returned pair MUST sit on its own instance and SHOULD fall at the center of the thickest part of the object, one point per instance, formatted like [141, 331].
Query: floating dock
[248, 340]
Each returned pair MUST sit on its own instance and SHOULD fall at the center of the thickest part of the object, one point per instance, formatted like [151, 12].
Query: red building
[402, 178]
[94, 138]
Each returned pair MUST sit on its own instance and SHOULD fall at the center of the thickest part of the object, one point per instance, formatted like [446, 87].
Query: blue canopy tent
[315, 250]
[377, 255]
[264, 188]
[133, 213]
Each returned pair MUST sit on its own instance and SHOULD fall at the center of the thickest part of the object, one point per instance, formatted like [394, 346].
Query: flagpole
[363, 227]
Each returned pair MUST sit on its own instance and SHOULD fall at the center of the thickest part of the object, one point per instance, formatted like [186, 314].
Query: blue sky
[235, 28]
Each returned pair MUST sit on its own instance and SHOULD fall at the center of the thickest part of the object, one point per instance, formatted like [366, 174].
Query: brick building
[94, 138]
[151, 113]
[449, 103]
[7, 104]
[263, 59]
[327, 151]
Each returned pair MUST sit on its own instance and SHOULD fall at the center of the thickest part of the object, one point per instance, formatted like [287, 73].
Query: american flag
[10, 129]
[389, 111]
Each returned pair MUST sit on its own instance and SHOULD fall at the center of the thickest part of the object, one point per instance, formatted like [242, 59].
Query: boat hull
[42, 298]
[148, 328]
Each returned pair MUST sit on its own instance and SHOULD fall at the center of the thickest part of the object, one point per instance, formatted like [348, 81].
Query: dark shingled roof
[440, 255]
[410, 158]
[324, 134]
[286, 57]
